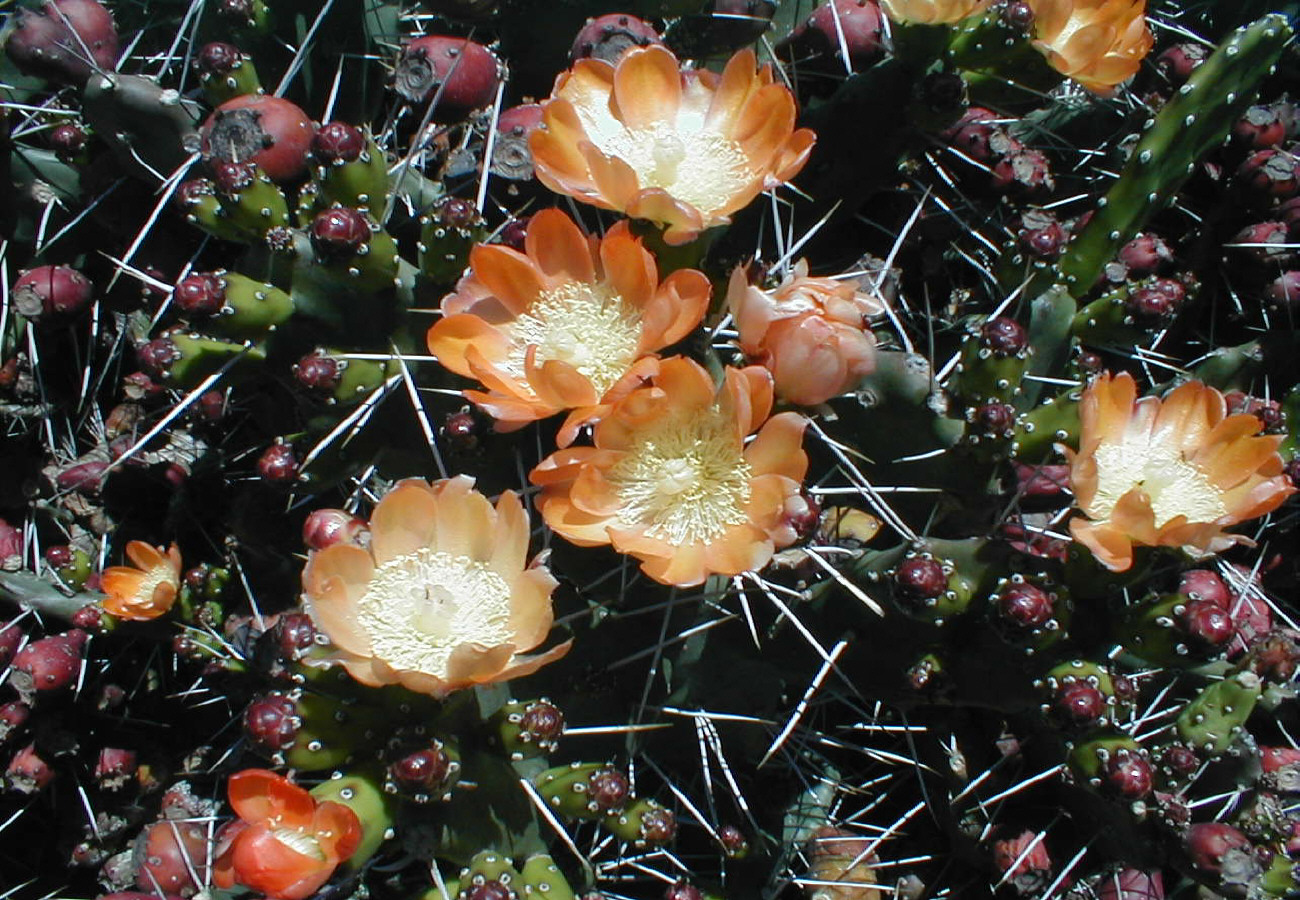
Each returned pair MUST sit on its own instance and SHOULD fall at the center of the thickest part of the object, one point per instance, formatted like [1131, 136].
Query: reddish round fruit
[1023, 173]
[920, 578]
[1204, 584]
[852, 25]
[272, 722]
[230, 177]
[59, 556]
[217, 59]
[327, 527]
[1284, 290]
[85, 478]
[294, 635]
[1129, 775]
[271, 132]
[171, 855]
[1157, 301]
[461, 430]
[11, 638]
[1179, 61]
[1217, 847]
[457, 74]
[1042, 235]
[156, 357]
[318, 371]
[1145, 254]
[89, 618]
[114, 768]
[49, 664]
[608, 789]
[658, 826]
[1025, 605]
[1270, 174]
[201, 294]
[1207, 623]
[339, 233]
[28, 772]
[278, 464]
[336, 143]
[67, 140]
[543, 722]
[424, 771]
[608, 37]
[733, 841]
[996, 419]
[51, 42]
[1179, 759]
[1004, 336]
[973, 133]
[1261, 126]
[13, 716]
[1024, 861]
[512, 157]
[1080, 702]
[51, 291]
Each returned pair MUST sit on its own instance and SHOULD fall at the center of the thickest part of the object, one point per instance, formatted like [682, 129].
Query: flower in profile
[1168, 473]
[811, 333]
[560, 325]
[933, 12]
[682, 148]
[285, 844]
[1098, 43]
[442, 599]
[672, 482]
[147, 589]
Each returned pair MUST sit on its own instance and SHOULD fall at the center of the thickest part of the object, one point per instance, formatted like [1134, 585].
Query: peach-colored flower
[1168, 473]
[559, 326]
[1098, 43]
[442, 599]
[810, 332]
[285, 844]
[671, 481]
[147, 589]
[682, 148]
[933, 12]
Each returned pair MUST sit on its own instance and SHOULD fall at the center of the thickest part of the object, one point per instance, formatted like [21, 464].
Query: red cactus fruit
[339, 233]
[1204, 584]
[1284, 291]
[51, 291]
[1158, 301]
[272, 722]
[89, 618]
[994, 419]
[217, 58]
[13, 716]
[114, 768]
[1129, 775]
[1023, 861]
[49, 664]
[543, 721]
[608, 789]
[294, 634]
[610, 36]
[1269, 174]
[733, 841]
[461, 430]
[278, 464]
[64, 40]
[682, 890]
[1145, 254]
[1023, 173]
[1262, 126]
[269, 131]
[425, 771]
[85, 478]
[461, 74]
[1281, 767]
[1179, 760]
[327, 527]
[1025, 605]
[852, 25]
[59, 556]
[1080, 703]
[1179, 61]
[1004, 336]
[156, 358]
[67, 140]
[11, 638]
[318, 371]
[511, 155]
[27, 772]
[1207, 623]
[1132, 884]
[1042, 235]
[920, 578]
[336, 143]
[973, 132]
[1219, 849]
[170, 855]
[658, 825]
[200, 294]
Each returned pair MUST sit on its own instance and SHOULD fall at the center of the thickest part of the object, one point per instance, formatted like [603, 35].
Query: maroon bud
[157, 356]
[11, 638]
[339, 233]
[608, 789]
[1080, 703]
[490, 890]
[1264, 242]
[272, 722]
[89, 618]
[459, 74]
[59, 556]
[294, 635]
[996, 419]
[27, 772]
[52, 41]
[1292, 471]
[608, 37]
[733, 841]
[1204, 584]
[173, 853]
[1129, 775]
[230, 177]
[217, 59]
[682, 890]
[514, 233]
[50, 663]
[114, 768]
[51, 291]
[1042, 480]
[1025, 605]
[1132, 884]
[455, 213]
[1024, 173]
[425, 771]
[512, 157]
[1269, 174]
[240, 11]
[1179, 760]
[1018, 15]
[201, 294]
[1004, 336]
[212, 405]
[973, 133]
[67, 140]
[336, 143]
[278, 464]
[1284, 291]
[1260, 127]
[13, 716]
[85, 478]
[1023, 861]
[1207, 623]
[262, 129]
[658, 825]
[1218, 848]
[461, 431]
[1157, 301]
[318, 371]
[1042, 236]
[543, 722]
[920, 578]
[1145, 254]
[1179, 61]
[327, 527]
[853, 25]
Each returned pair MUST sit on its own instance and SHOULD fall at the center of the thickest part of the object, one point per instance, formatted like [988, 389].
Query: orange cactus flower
[559, 326]
[285, 843]
[684, 149]
[671, 481]
[146, 590]
[442, 599]
[1098, 43]
[1168, 473]
[810, 332]
[933, 12]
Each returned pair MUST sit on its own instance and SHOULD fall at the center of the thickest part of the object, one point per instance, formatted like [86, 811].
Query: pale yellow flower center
[1176, 487]
[685, 481]
[152, 578]
[299, 842]
[696, 166]
[585, 325]
[420, 607]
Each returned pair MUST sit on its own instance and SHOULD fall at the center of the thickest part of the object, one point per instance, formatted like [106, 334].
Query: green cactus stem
[361, 793]
[1214, 720]
[150, 129]
[1195, 121]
